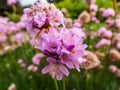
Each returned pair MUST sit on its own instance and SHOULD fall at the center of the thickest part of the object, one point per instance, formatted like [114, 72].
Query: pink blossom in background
[33, 42]
[77, 24]
[93, 7]
[103, 42]
[118, 46]
[32, 68]
[104, 32]
[113, 68]
[110, 22]
[108, 12]
[3, 38]
[20, 61]
[36, 59]
[19, 38]
[94, 19]
[12, 87]
[20, 25]
[108, 34]
[11, 2]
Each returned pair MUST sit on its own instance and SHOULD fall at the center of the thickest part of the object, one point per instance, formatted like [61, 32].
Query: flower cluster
[42, 16]
[63, 48]
[11, 34]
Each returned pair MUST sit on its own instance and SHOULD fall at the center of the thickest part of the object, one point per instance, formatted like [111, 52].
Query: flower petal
[51, 60]
[64, 70]
[59, 75]
[46, 69]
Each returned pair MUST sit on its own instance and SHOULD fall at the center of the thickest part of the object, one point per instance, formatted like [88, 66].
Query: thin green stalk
[115, 6]
[64, 85]
[56, 84]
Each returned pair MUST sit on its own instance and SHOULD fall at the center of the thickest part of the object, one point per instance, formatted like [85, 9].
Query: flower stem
[56, 84]
[115, 6]
[64, 85]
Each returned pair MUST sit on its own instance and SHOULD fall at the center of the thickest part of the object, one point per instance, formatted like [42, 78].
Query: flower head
[108, 12]
[42, 16]
[62, 52]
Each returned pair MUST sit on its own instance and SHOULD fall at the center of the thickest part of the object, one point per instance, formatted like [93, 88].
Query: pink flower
[93, 7]
[40, 17]
[103, 42]
[19, 38]
[105, 33]
[109, 22]
[94, 19]
[20, 61]
[32, 68]
[33, 42]
[113, 68]
[118, 46]
[11, 2]
[77, 24]
[20, 25]
[62, 52]
[3, 38]
[108, 12]
[36, 59]
[12, 87]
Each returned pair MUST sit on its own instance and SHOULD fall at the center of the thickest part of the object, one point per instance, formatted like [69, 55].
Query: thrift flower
[61, 52]
[108, 12]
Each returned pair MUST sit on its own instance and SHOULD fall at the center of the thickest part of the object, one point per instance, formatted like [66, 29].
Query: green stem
[64, 85]
[56, 84]
[115, 6]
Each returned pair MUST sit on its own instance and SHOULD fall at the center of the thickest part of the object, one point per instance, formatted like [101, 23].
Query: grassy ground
[11, 72]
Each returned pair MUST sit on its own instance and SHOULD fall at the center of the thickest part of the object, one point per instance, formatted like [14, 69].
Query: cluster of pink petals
[108, 12]
[93, 7]
[105, 33]
[32, 68]
[61, 52]
[37, 58]
[11, 34]
[9, 27]
[103, 42]
[110, 22]
[11, 2]
[63, 48]
[94, 19]
[42, 16]
[113, 68]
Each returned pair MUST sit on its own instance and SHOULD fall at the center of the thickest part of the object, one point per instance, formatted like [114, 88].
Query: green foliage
[13, 17]
[11, 72]
[74, 7]
[105, 3]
